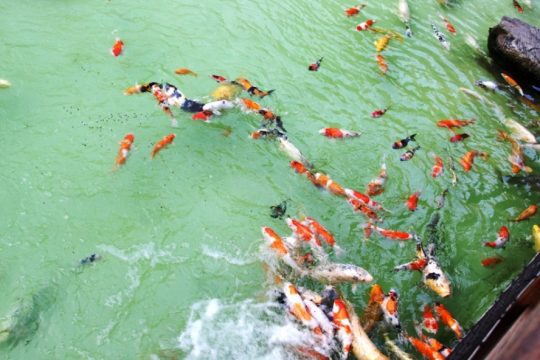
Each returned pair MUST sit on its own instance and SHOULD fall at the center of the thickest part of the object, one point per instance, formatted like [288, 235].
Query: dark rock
[515, 46]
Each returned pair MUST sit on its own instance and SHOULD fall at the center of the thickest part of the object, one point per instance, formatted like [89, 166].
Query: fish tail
[412, 137]
[270, 91]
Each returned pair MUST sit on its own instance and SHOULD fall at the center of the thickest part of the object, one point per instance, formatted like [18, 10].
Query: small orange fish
[321, 231]
[382, 64]
[252, 90]
[354, 10]
[412, 202]
[467, 160]
[517, 6]
[425, 349]
[448, 320]
[390, 234]
[162, 144]
[453, 123]
[513, 83]
[490, 261]
[117, 48]
[360, 206]
[125, 146]
[527, 213]
[249, 105]
[451, 29]
[326, 182]
[185, 71]
[437, 168]
[301, 169]
[376, 186]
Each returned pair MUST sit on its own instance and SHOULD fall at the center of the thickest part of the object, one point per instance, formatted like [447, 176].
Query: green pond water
[179, 236]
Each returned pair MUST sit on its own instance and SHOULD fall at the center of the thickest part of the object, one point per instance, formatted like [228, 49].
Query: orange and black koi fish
[513, 83]
[403, 142]
[315, 66]
[162, 144]
[252, 90]
[459, 137]
[220, 79]
[468, 159]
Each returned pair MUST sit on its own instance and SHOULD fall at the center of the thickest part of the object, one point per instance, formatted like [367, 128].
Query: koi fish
[453, 123]
[278, 246]
[248, 105]
[517, 6]
[468, 159]
[382, 64]
[301, 169]
[338, 133]
[300, 230]
[435, 279]
[376, 186]
[205, 115]
[408, 155]
[315, 66]
[437, 168]
[451, 29]
[389, 308]
[168, 139]
[382, 43]
[185, 71]
[133, 90]
[324, 180]
[321, 231]
[365, 25]
[220, 79]
[405, 16]
[437, 346]
[354, 10]
[343, 325]
[217, 106]
[536, 237]
[512, 83]
[491, 261]
[373, 312]
[429, 322]
[439, 201]
[520, 132]
[252, 90]
[363, 198]
[453, 171]
[440, 36]
[322, 320]
[447, 319]
[359, 206]
[4, 84]
[459, 137]
[125, 147]
[501, 240]
[425, 349]
[263, 133]
[298, 309]
[412, 202]
[339, 273]
[527, 213]
[486, 84]
[292, 151]
[117, 47]
[389, 234]
[403, 142]
[378, 113]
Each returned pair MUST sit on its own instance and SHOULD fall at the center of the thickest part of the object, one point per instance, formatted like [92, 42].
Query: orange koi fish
[315, 66]
[429, 322]
[501, 240]
[321, 231]
[437, 346]
[453, 123]
[447, 319]
[373, 312]
[365, 25]
[382, 43]
[389, 308]
[117, 48]
[491, 261]
[360, 206]
[516, 157]
[300, 230]
[324, 180]
[336, 133]
[302, 169]
[363, 198]
[354, 10]
[278, 246]
[389, 234]
[343, 326]
[527, 213]
[298, 309]
[467, 160]
[451, 29]
[248, 105]
[125, 147]
[162, 144]
[252, 90]
[185, 71]
[412, 202]
[517, 6]
[513, 83]
[382, 64]
[425, 349]
[376, 186]
[438, 167]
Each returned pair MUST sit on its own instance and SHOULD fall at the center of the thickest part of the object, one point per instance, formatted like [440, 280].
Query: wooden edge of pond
[509, 328]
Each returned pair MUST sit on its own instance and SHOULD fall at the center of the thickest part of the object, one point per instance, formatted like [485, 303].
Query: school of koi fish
[306, 253]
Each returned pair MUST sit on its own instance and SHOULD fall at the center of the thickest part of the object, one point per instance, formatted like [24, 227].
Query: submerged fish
[408, 155]
[4, 84]
[278, 211]
[405, 16]
[185, 71]
[440, 36]
[527, 213]
[520, 132]
[376, 186]
[491, 261]
[338, 273]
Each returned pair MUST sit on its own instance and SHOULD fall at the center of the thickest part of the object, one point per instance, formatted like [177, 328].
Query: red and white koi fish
[448, 320]
[321, 231]
[376, 186]
[389, 308]
[324, 181]
[304, 233]
[360, 206]
[354, 10]
[278, 246]
[502, 239]
[389, 234]
[117, 47]
[125, 147]
[429, 322]
[343, 326]
[491, 261]
[419, 264]
[363, 198]
[438, 167]
[338, 133]
[302, 169]
[298, 309]
[365, 25]
[412, 202]
[168, 139]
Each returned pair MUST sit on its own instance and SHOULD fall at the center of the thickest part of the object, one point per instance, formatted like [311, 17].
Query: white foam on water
[231, 259]
[244, 330]
[147, 251]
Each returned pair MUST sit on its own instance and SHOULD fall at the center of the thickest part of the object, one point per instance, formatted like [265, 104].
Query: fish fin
[412, 137]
